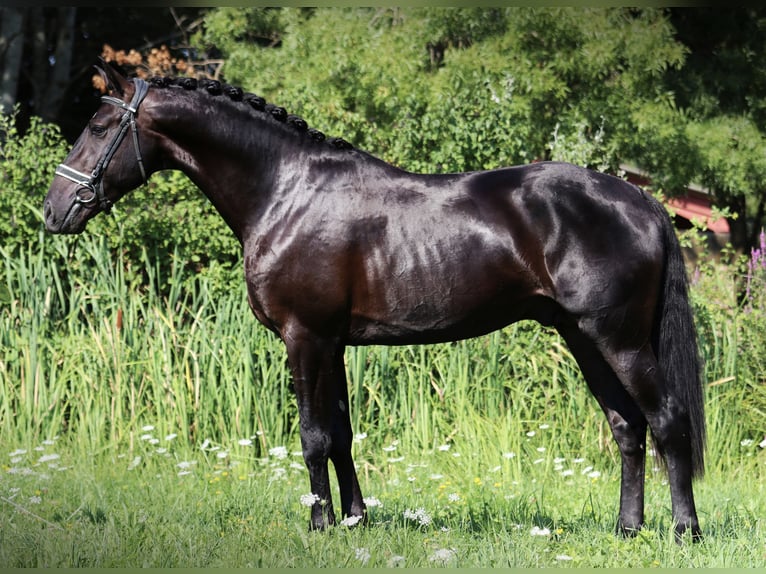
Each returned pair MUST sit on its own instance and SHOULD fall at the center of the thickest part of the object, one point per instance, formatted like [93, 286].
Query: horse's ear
[114, 81]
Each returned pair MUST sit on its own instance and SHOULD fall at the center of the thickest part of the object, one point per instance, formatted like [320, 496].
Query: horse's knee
[671, 428]
[316, 447]
[630, 437]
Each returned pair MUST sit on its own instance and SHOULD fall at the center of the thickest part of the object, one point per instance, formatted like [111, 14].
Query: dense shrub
[165, 223]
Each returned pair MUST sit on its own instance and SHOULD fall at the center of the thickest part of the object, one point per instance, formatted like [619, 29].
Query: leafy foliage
[163, 224]
[457, 89]
[27, 164]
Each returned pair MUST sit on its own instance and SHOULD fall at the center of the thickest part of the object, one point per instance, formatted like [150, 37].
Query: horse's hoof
[684, 530]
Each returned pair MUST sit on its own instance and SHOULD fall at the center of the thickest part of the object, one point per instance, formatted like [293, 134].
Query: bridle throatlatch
[91, 187]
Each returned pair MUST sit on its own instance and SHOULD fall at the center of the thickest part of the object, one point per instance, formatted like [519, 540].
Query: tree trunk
[757, 226]
[11, 50]
[738, 232]
[61, 72]
[51, 70]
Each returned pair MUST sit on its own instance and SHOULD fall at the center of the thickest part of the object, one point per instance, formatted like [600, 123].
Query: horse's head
[106, 161]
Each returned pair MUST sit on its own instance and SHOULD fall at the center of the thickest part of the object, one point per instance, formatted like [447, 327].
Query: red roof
[696, 204]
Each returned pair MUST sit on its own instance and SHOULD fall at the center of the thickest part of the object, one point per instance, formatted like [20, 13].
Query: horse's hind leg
[626, 421]
[669, 422]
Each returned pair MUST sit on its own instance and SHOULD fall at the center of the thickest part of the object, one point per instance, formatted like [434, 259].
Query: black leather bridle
[91, 187]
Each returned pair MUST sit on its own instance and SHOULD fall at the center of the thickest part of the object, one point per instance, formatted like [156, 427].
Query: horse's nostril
[49, 216]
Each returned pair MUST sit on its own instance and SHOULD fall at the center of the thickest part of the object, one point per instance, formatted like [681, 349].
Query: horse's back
[484, 249]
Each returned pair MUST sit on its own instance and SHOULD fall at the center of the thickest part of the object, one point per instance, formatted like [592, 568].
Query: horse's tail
[675, 342]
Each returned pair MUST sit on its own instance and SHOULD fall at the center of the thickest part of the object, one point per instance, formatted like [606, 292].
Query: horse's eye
[97, 130]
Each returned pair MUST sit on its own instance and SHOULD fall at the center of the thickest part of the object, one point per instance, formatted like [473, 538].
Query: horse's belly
[461, 307]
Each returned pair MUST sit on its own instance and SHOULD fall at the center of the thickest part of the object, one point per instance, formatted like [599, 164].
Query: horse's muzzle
[69, 220]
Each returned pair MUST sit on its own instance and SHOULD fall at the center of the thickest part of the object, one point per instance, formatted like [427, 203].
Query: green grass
[491, 437]
[110, 509]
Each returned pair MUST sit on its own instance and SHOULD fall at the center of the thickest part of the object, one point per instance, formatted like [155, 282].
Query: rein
[91, 187]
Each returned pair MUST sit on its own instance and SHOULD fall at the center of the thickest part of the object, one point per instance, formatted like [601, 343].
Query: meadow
[148, 426]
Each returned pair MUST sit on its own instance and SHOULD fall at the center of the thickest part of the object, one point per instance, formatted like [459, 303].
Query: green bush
[163, 224]
[27, 163]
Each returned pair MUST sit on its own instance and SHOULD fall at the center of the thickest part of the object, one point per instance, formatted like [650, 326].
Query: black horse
[341, 248]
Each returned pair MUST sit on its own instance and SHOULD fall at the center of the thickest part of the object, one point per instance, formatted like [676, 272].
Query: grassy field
[139, 429]
[160, 506]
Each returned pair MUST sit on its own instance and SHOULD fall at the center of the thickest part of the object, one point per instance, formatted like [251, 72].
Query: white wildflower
[186, 464]
[568, 472]
[563, 557]
[442, 555]
[454, 497]
[762, 444]
[537, 531]
[309, 499]
[395, 561]
[419, 515]
[509, 455]
[35, 500]
[147, 428]
[444, 447]
[362, 555]
[350, 521]
[531, 433]
[223, 454]
[146, 437]
[279, 452]
[134, 463]
[360, 437]
[747, 442]
[171, 436]
[594, 474]
[372, 502]
[18, 452]
[244, 442]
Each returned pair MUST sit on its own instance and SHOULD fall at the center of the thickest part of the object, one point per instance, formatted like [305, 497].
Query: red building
[696, 203]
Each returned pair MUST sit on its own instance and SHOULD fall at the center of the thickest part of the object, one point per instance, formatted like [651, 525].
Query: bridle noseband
[93, 183]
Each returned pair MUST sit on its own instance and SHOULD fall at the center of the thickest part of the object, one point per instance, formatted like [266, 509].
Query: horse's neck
[229, 159]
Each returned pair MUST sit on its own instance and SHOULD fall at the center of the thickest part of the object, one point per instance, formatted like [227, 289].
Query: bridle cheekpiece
[91, 187]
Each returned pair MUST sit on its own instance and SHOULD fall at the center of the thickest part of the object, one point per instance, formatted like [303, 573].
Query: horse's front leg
[351, 501]
[318, 374]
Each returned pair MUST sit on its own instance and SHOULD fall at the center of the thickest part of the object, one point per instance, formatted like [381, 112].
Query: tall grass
[140, 426]
[90, 350]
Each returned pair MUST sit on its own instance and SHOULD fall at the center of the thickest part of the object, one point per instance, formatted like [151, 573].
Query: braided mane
[259, 104]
